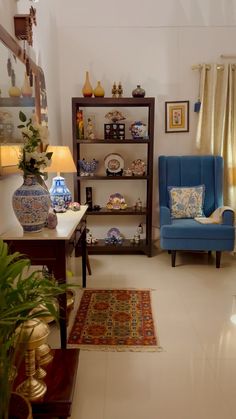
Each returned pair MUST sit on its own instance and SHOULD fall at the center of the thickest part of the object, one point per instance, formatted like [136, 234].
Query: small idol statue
[90, 130]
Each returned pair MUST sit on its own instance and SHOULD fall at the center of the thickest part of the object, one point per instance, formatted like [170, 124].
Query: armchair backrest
[192, 171]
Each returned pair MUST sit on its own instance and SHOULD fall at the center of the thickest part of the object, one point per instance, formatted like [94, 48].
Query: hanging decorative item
[24, 26]
[26, 89]
[13, 91]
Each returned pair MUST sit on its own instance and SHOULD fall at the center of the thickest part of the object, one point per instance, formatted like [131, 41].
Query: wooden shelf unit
[145, 246]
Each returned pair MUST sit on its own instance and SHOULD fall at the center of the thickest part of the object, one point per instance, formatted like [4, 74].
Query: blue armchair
[187, 233]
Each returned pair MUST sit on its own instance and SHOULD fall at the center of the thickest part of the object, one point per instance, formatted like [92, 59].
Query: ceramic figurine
[51, 221]
[120, 90]
[89, 238]
[87, 168]
[140, 229]
[90, 130]
[74, 206]
[114, 90]
[60, 206]
[79, 125]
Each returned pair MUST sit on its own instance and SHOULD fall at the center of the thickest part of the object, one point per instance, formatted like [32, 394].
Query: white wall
[150, 42]
[153, 43]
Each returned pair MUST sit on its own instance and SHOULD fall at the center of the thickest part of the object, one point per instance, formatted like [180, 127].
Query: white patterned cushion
[186, 202]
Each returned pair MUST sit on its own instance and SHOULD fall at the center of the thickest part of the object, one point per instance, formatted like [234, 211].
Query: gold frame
[177, 116]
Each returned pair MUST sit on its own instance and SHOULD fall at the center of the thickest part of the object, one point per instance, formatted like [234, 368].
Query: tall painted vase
[31, 203]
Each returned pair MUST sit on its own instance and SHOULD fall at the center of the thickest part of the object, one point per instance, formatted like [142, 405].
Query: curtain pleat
[216, 130]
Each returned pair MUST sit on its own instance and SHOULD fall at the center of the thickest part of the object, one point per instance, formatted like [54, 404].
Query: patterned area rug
[119, 320]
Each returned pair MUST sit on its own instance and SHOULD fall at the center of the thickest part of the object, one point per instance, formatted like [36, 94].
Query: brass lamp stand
[33, 334]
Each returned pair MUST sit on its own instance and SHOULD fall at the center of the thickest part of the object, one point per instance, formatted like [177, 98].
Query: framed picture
[177, 116]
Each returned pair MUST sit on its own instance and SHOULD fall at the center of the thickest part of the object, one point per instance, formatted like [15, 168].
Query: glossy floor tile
[194, 377]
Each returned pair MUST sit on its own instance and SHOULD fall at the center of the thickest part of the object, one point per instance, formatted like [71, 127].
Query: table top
[67, 223]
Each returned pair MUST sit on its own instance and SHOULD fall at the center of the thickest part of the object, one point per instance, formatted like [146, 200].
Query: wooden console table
[60, 381]
[51, 248]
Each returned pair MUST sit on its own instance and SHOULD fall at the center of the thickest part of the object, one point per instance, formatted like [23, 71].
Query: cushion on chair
[191, 229]
[186, 202]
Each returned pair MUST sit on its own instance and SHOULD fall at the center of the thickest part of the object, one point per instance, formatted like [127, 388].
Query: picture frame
[177, 116]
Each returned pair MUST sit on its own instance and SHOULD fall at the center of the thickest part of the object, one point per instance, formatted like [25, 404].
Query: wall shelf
[17, 102]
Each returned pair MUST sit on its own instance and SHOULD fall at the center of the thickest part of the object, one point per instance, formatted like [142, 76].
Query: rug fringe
[107, 348]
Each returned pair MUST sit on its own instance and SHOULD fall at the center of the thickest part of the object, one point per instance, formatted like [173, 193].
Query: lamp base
[60, 194]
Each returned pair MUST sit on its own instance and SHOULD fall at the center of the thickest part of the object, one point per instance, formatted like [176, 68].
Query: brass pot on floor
[19, 407]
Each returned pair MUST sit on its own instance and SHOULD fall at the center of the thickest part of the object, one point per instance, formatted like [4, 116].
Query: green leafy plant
[33, 160]
[20, 293]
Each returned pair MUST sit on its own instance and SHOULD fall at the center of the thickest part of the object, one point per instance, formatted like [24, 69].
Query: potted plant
[21, 291]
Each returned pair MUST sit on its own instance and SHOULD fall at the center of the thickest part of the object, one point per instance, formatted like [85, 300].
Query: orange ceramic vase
[87, 88]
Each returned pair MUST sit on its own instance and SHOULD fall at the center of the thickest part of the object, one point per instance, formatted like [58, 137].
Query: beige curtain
[216, 130]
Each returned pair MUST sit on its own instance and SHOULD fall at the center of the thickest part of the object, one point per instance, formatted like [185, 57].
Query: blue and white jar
[139, 130]
[31, 203]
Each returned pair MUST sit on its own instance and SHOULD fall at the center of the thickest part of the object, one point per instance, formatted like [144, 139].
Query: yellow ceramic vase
[99, 91]
[87, 88]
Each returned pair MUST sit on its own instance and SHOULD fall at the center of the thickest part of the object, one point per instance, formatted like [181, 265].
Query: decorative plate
[138, 167]
[113, 232]
[114, 163]
[116, 201]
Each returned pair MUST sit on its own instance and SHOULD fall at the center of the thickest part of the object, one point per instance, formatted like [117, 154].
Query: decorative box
[114, 131]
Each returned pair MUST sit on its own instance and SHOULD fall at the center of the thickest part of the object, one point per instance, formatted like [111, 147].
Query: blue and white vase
[31, 203]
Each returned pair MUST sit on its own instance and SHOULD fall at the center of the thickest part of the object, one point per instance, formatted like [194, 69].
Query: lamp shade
[9, 155]
[62, 160]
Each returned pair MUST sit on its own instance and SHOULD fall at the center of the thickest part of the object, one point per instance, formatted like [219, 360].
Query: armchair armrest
[228, 217]
[165, 217]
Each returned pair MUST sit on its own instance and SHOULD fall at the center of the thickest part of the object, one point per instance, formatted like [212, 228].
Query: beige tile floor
[195, 375]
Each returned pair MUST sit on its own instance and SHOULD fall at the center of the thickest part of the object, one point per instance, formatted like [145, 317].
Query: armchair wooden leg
[173, 257]
[218, 257]
[169, 252]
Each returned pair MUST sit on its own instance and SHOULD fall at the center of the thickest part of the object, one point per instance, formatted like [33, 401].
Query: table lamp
[9, 158]
[62, 161]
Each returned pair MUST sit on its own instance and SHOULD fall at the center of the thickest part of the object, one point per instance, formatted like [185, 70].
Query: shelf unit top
[110, 101]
